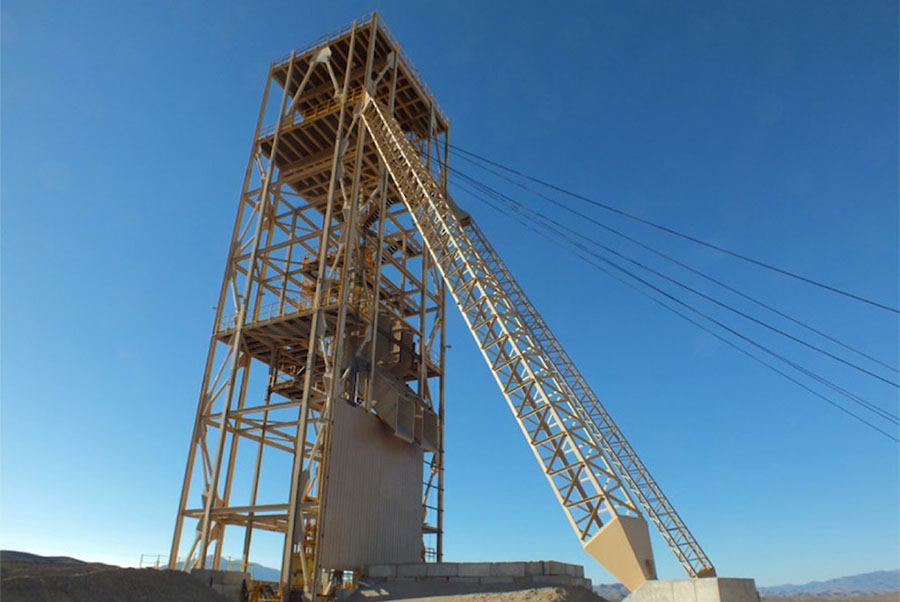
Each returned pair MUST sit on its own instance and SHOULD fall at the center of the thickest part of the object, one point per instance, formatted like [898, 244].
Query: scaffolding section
[327, 350]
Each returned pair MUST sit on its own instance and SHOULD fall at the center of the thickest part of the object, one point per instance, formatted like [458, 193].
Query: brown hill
[30, 578]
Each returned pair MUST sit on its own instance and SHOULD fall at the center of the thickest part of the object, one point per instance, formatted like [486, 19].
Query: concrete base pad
[710, 589]
[540, 573]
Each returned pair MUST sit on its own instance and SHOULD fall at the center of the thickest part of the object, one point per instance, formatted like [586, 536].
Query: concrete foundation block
[708, 587]
[508, 569]
[492, 580]
[231, 591]
[551, 567]
[203, 575]
[737, 589]
[713, 589]
[442, 569]
[411, 570]
[474, 569]
[540, 573]
[534, 568]
[553, 580]
[235, 577]
[685, 589]
[381, 570]
[227, 583]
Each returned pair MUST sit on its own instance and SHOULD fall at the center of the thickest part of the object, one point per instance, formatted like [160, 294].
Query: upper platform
[307, 139]
[413, 102]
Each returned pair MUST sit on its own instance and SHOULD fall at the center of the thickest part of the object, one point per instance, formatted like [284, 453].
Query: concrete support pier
[709, 589]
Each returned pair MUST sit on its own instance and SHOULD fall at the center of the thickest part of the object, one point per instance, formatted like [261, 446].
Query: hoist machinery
[319, 427]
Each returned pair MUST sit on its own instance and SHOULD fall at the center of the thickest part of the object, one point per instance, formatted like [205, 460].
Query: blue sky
[767, 127]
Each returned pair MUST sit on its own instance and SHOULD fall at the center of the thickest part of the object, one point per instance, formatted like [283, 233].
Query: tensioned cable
[689, 288]
[681, 264]
[837, 388]
[674, 232]
[851, 396]
[696, 323]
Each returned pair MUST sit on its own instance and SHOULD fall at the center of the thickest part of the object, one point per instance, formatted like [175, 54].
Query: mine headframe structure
[328, 300]
[331, 313]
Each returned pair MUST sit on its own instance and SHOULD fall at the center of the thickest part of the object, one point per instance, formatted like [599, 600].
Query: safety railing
[271, 310]
[153, 561]
[413, 71]
[434, 356]
[329, 106]
[324, 39]
[408, 64]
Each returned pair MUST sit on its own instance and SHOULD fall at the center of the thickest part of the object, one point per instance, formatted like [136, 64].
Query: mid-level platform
[289, 333]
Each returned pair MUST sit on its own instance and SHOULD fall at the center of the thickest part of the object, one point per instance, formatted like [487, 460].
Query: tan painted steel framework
[344, 231]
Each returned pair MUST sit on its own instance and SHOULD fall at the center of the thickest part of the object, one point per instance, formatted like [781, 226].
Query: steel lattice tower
[328, 303]
[327, 351]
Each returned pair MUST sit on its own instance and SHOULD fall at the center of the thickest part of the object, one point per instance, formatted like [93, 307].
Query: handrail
[414, 72]
[329, 106]
[323, 39]
[344, 29]
[271, 310]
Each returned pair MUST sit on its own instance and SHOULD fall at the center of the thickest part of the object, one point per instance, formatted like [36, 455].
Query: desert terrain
[31, 578]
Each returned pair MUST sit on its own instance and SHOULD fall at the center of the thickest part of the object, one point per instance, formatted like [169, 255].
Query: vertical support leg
[232, 456]
[198, 431]
[336, 383]
[261, 206]
[440, 504]
[254, 488]
[295, 523]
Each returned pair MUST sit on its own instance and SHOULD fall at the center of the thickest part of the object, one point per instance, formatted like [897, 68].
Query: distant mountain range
[876, 582]
[614, 592]
[866, 583]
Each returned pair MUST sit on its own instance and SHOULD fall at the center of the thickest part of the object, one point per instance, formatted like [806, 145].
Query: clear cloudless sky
[768, 127]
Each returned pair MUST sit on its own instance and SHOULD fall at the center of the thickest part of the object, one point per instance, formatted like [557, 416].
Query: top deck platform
[414, 101]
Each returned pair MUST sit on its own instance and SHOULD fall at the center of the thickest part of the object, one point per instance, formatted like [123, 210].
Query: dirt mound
[412, 591]
[30, 578]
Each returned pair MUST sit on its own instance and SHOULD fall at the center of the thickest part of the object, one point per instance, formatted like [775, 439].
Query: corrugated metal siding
[373, 510]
